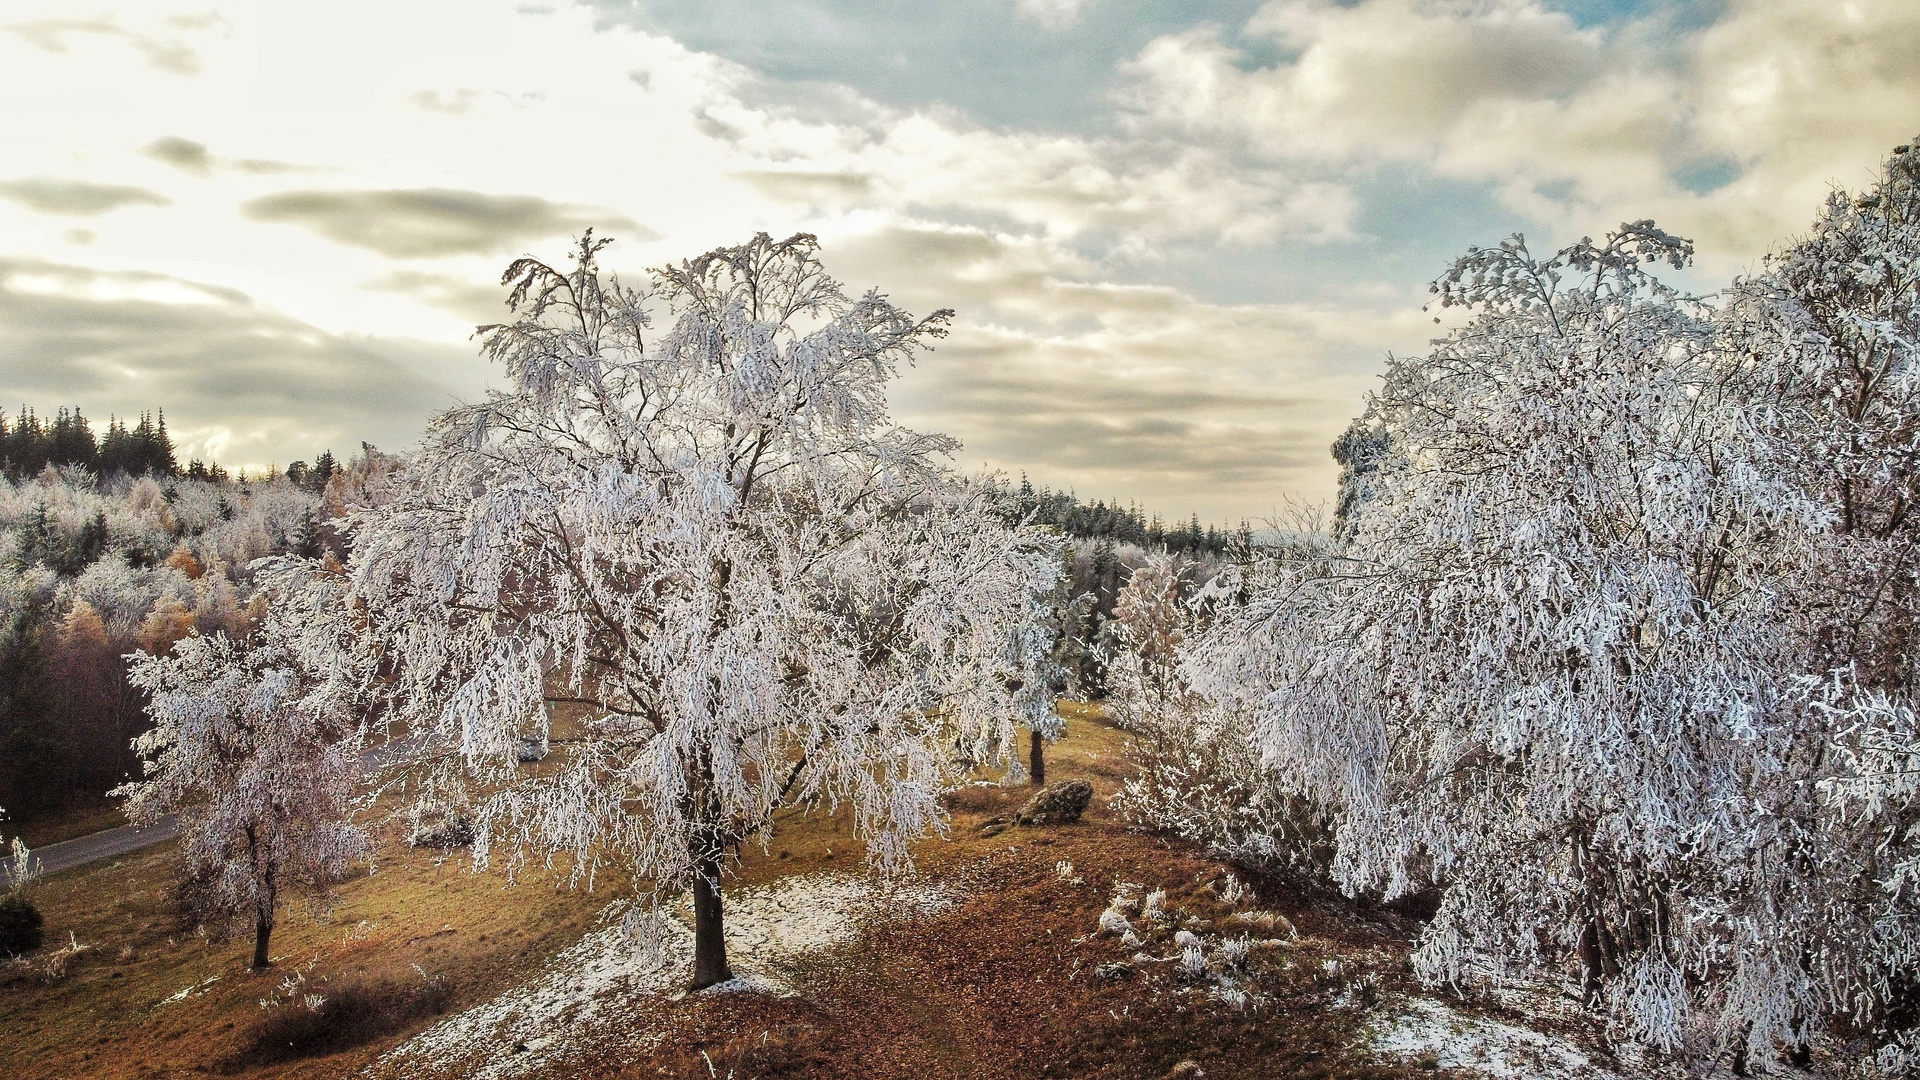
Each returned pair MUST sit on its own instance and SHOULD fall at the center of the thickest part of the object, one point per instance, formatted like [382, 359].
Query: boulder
[1057, 804]
[442, 826]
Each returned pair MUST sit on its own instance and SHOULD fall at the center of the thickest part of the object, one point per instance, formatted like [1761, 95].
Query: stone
[1057, 804]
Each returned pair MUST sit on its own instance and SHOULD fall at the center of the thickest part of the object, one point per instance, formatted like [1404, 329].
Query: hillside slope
[991, 962]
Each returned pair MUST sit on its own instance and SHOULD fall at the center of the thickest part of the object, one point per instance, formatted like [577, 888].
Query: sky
[1181, 239]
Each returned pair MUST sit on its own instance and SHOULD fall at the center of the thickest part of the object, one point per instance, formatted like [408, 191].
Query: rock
[994, 826]
[1057, 804]
[1118, 969]
[1187, 1070]
[442, 827]
[1267, 922]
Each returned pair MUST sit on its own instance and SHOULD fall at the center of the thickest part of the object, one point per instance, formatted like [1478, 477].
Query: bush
[21, 926]
[441, 825]
[347, 1014]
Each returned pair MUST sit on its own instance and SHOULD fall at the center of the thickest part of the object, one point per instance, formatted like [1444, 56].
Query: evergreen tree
[70, 440]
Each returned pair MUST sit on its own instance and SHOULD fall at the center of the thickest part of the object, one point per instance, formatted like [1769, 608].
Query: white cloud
[1576, 127]
[431, 164]
[1052, 14]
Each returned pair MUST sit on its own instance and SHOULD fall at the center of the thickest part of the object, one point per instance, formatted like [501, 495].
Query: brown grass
[1000, 985]
[90, 814]
[108, 1017]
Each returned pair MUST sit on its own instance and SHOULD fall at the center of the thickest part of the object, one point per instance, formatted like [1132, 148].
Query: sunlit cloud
[1178, 289]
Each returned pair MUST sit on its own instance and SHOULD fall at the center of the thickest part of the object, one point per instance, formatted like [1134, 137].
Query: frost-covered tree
[1146, 692]
[1541, 669]
[706, 567]
[1832, 332]
[1829, 338]
[259, 766]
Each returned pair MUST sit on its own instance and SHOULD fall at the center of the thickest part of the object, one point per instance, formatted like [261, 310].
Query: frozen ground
[1425, 1029]
[583, 996]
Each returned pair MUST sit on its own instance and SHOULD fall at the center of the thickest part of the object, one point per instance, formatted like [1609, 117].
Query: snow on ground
[1425, 1028]
[582, 996]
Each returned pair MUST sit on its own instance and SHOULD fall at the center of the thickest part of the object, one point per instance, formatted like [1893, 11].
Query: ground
[989, 962]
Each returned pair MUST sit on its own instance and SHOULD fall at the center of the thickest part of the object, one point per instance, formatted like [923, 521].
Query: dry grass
[109, 1015]
[999, 985]
[89, 815]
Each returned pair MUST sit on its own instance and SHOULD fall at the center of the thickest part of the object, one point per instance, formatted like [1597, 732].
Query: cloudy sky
[1181, 237]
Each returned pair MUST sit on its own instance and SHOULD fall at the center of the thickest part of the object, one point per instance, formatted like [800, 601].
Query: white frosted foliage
[708, 551]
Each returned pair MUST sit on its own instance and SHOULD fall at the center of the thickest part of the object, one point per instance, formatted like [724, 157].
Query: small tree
[258, 767]
[748, 586]
[1146, 693]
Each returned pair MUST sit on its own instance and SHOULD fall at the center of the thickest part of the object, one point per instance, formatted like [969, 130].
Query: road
[108, 843]
[93, 847]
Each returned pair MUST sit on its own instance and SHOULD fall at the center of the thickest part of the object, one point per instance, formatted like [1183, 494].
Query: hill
[991, 962]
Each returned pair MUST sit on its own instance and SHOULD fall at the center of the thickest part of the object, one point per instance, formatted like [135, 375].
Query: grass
[110, 1015]
[340, 1015]
[999, 985]
[90, 814]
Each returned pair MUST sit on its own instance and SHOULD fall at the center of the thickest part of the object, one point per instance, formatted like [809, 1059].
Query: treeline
[1106, 543]
[1128, 524]
[98, 562]
[29, 444]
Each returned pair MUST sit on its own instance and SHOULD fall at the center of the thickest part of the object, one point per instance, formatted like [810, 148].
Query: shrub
[21, 926]
[343, 1015]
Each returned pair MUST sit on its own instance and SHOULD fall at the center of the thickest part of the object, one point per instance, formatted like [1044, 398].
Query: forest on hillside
[110, 547]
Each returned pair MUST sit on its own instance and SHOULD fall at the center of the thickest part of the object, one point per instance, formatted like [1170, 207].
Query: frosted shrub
[1193, 956]
[1540, 666]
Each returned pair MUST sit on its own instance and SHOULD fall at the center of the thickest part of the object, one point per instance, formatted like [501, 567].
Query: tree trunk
[1037, 758]
[709, 934]
[262, 931]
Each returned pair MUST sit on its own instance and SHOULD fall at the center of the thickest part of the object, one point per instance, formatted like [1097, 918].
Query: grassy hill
[991, 963]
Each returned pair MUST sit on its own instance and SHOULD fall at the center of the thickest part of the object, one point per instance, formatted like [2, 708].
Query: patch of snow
[584, 994]
[1424, 1027]
[196, 988]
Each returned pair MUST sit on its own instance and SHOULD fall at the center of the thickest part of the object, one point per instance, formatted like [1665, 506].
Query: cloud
[1130, 391]
[192, 157]
[827, 190]
[167, 54]
[1052, 14]
[183, 154]
[433, 222]
[457, 103]
[1727, 131]
[478, 301]
[240, 381]
[54, 195]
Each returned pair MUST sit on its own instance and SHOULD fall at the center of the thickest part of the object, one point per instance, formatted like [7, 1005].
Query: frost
[1428, 1029]
[586, 996]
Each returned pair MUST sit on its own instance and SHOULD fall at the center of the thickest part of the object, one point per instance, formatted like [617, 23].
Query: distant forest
[29, 444]
[109, 545]
[1128, 524]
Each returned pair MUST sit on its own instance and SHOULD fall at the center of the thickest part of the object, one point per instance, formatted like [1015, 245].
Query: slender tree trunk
[1037, 758]
[262, 931]
[709, 934]
[265, 898]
